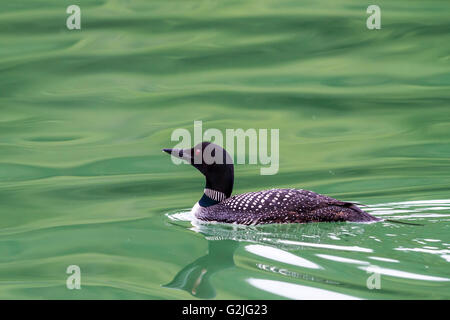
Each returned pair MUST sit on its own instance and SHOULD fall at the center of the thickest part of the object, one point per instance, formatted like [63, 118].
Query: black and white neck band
[215, 195]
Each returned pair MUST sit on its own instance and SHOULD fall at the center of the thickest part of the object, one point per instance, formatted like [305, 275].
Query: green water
[363, 116]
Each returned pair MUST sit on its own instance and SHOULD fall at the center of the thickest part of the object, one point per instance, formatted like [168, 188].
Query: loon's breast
[281, 206]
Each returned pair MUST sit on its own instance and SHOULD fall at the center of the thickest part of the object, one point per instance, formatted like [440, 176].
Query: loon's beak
[179, 153]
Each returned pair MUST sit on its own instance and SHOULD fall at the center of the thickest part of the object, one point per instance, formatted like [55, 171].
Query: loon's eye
[197, 151]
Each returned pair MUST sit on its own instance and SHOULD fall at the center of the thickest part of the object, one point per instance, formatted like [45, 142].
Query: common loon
[261, 207]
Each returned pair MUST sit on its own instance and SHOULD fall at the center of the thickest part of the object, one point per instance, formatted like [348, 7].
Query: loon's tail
[364, 216]
[361, 216]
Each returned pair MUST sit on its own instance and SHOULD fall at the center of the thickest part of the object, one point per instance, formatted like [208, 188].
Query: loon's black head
[213, 161]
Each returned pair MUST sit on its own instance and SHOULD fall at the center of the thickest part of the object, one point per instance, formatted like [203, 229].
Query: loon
[261, 207]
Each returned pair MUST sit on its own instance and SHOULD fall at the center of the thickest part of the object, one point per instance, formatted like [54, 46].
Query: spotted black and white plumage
[282, 206]
[261, 207]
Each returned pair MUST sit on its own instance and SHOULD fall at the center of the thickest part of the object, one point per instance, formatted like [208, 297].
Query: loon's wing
[283, 206]
[323, 208]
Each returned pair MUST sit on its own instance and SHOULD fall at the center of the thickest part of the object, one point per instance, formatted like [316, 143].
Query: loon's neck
[211, 197]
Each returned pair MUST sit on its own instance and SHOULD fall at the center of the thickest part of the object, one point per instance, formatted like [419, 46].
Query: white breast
[195, 209]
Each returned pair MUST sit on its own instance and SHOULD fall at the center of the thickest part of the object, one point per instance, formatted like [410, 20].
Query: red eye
[197, 151]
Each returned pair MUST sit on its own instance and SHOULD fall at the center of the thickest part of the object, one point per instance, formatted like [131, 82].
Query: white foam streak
[325, 246]
[341, 259]
[384, 259]
[296, 291]
[281, 256]
[402, 274]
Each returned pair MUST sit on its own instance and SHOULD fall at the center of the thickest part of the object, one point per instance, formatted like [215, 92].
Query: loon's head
[213, 161]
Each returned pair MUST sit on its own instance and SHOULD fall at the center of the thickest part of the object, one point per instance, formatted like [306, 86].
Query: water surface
[363, 116]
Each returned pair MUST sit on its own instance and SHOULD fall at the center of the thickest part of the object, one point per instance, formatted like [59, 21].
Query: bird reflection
[195, 277]
[223, 240]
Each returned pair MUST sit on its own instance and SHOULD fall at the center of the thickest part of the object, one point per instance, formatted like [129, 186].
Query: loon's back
[282, 206]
